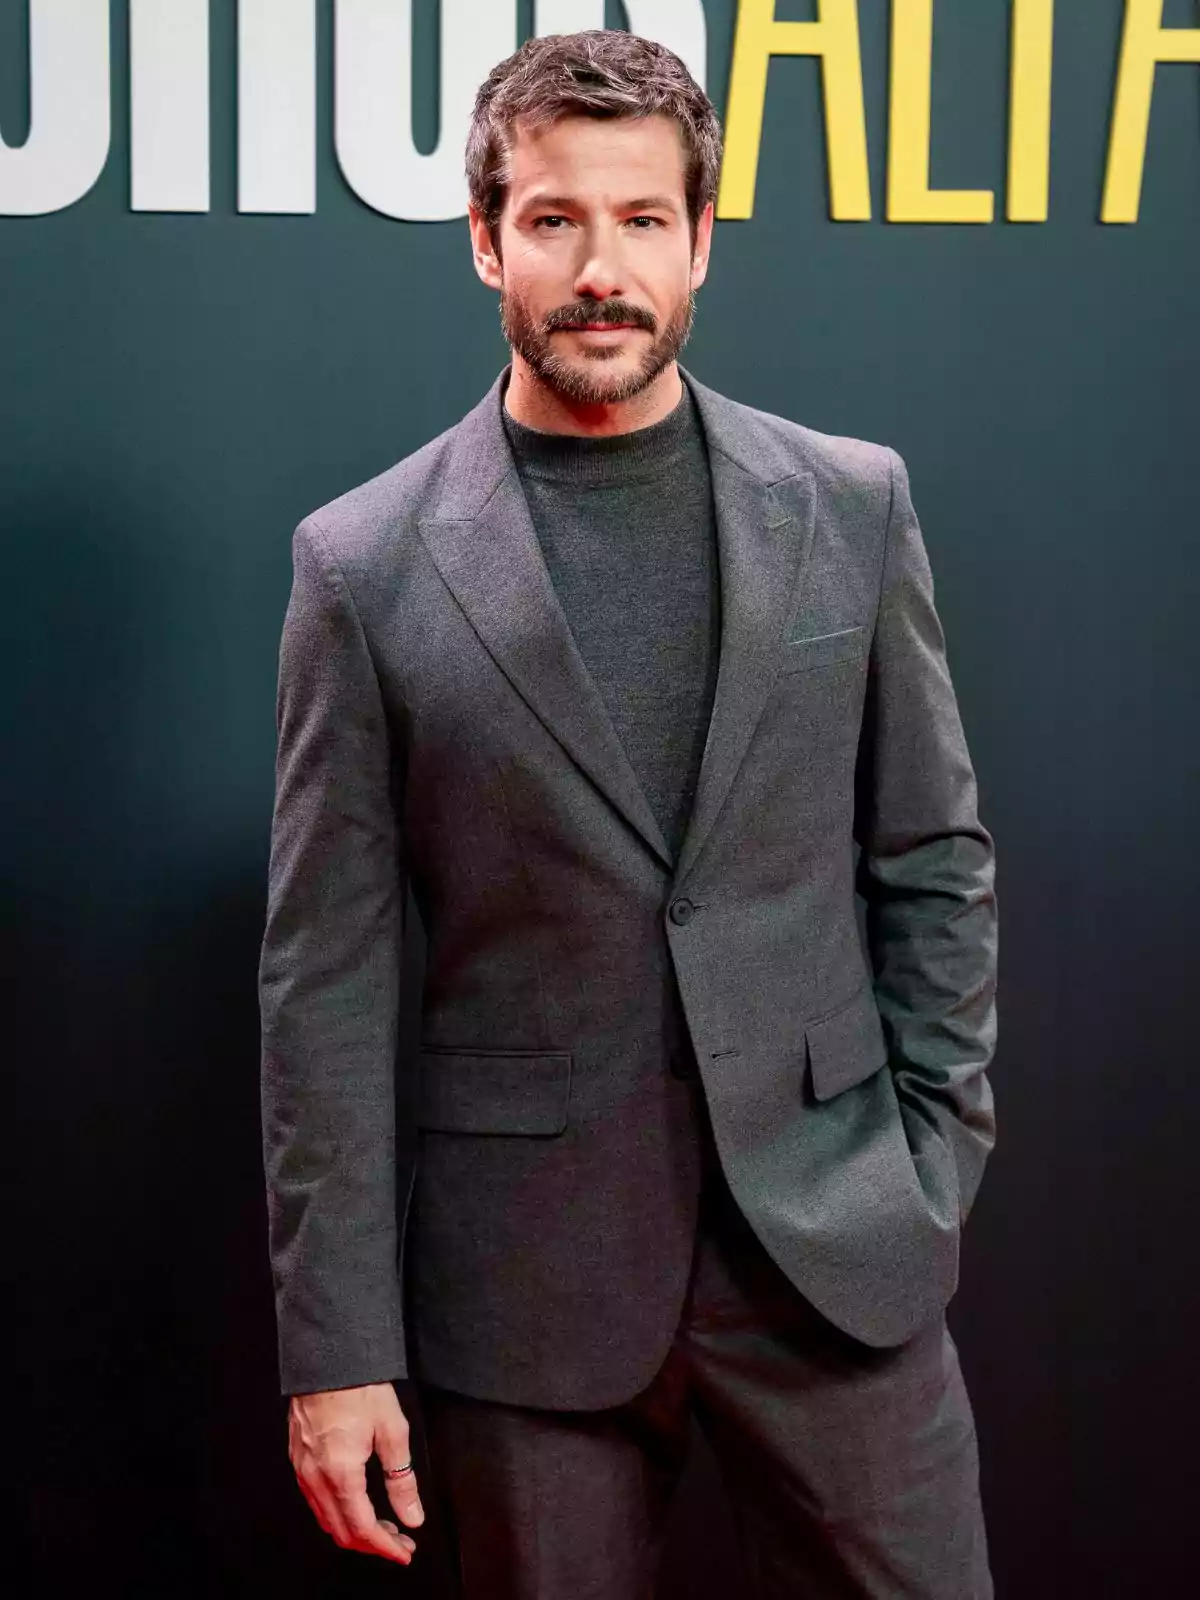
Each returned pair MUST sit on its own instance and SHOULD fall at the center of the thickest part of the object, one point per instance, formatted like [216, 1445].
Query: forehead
[598, 157]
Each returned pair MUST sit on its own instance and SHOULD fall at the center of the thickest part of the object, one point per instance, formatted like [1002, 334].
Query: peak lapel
[485, 546]
[765, 516]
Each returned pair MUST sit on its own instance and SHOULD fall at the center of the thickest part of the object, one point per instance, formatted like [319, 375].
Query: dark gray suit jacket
[437, 726]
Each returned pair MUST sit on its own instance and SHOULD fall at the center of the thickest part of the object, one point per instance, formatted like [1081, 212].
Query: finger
[409, 1544]
[405, 1500]
[367, 1531]
[392, 1448]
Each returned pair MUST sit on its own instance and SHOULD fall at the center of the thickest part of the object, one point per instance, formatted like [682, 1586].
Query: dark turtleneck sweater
[628, 533]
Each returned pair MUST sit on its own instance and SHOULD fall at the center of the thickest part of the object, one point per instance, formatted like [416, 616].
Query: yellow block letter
[1029, 115]
[910, 199]
[1146, 43]
[833, 37]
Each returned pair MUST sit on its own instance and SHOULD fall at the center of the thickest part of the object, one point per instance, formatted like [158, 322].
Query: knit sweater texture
[628, 532]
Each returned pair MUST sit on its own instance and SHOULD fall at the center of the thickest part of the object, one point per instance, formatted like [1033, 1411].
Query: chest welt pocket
[493, 1091]
[846, 1047]
[821, 650]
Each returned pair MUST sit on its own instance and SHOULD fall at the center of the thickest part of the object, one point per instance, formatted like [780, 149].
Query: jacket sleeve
[328, 995]
[926, 871]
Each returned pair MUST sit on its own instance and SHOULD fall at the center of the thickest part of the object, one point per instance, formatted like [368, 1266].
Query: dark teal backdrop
[179, 390]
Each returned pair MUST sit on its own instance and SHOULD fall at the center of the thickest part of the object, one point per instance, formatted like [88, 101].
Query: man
[616, 673]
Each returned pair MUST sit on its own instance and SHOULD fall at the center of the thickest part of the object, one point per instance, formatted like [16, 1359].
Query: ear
[703, 245]
[487, 263]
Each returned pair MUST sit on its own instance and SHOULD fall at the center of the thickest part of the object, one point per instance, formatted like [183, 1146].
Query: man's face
[596, 268]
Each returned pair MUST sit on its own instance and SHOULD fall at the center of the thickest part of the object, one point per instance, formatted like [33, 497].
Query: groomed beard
[590, 385]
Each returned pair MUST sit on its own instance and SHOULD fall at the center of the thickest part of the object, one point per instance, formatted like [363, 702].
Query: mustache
[604, 311]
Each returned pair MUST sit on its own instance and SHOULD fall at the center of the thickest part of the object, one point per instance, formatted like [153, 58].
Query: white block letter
[168, 105]
[69, 121]
[277, 106]
[679, 24]
[373, 101]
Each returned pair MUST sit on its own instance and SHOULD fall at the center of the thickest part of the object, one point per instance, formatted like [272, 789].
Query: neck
[531, 401]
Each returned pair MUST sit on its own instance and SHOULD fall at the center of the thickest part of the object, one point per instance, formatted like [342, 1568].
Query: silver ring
[397, 1472]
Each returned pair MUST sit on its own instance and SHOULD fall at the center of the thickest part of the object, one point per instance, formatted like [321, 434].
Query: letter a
[833, 37]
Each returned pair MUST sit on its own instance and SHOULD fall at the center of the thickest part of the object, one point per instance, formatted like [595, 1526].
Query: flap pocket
[493, 1091]
[824, 648]
[846, 1047]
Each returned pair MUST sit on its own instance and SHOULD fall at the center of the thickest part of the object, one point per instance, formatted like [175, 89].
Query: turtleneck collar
[609, 460]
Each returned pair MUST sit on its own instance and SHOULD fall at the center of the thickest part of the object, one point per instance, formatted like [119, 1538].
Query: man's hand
[331, 1437]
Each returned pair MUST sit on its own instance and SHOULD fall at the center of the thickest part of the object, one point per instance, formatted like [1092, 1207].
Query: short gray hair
[599, 73]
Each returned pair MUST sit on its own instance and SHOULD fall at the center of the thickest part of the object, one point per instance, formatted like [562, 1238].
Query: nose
[599, 276]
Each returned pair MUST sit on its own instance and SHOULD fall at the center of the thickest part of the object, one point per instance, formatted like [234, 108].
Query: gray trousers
[852, 1472]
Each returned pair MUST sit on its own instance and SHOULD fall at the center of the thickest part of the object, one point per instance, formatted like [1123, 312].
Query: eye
[655, 222]
[538, 222]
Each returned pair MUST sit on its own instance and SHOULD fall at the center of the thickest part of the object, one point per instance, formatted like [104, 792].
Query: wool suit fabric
[851, 1473]
[438, 729]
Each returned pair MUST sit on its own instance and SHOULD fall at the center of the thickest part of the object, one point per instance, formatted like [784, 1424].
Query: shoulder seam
[334, 567]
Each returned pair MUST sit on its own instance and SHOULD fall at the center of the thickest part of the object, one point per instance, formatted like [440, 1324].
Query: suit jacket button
[682, 911]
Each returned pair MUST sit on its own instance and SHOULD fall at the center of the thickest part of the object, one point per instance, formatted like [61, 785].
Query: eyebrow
[562, 202]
